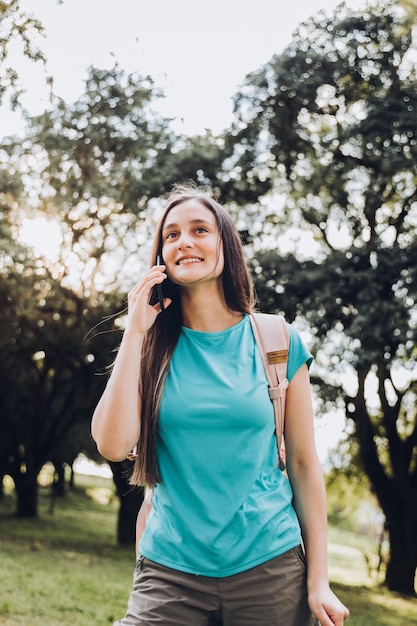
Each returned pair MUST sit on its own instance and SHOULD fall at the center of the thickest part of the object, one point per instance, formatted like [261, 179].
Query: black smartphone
[159, 287]
[166, 289]
[157, 293]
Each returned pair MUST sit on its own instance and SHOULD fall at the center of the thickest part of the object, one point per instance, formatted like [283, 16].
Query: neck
[207, 312]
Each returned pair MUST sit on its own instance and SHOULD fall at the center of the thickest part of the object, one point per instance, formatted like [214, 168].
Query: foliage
[330, 125]
[47, 374]
[92, 170]
[16, 26]
[104, 146]
[347, 493]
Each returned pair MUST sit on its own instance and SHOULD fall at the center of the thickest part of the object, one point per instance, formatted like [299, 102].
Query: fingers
[143, 287]
[141, 314]
[329, 610]
[332, 616]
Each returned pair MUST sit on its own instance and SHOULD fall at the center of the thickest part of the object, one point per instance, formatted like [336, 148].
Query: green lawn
[64, 569]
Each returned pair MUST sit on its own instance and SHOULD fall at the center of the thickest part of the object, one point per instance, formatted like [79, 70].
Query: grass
[65, 569]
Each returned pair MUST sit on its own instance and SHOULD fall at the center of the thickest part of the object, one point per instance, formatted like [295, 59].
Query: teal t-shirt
[222, 506]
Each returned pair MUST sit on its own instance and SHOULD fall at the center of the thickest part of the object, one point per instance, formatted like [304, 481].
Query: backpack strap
[271, 335]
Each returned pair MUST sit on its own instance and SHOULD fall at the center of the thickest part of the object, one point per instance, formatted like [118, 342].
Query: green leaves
[16, 26]
[336, 112]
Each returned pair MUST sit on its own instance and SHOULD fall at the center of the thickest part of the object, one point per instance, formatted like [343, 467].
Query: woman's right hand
[142, 315]
[116, 420]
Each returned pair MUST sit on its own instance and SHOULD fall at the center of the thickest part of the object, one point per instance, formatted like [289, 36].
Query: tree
[16, 26]
[47, 372]
[131, 499]
[104, 146]
[330, 126]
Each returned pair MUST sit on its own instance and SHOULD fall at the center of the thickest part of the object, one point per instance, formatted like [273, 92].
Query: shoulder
[298, 353]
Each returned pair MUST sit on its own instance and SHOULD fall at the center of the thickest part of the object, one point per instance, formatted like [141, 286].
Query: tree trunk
[402, 563]
[71, 482]
[130, 504]
[131, 499]
[58, 485]
[27, 494]
[397, 497]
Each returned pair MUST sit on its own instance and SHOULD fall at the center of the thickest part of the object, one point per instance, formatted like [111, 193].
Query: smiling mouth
[189, 260]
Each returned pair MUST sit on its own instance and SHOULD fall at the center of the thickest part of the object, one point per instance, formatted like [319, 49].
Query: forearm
[115, 424]
[307, 482]
[310, 505]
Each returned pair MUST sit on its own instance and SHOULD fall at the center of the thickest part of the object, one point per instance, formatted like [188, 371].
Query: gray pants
[271, 594]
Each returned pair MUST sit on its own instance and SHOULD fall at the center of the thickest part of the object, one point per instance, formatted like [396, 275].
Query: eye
[171, 235]
[201, 229]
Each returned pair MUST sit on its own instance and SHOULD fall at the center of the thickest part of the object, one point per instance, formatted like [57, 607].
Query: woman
[222, 545]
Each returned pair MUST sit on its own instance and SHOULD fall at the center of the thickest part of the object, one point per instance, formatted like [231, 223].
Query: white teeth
[189, 260]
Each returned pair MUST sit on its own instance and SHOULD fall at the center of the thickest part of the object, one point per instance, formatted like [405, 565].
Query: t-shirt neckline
[216, 333]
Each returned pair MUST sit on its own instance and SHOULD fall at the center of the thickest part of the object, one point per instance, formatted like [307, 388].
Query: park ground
[65, 569]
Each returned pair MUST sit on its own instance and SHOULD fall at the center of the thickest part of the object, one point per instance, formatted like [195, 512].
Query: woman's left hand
[327, 608]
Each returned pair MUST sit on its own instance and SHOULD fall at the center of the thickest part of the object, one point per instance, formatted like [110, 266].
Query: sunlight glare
[43, 236]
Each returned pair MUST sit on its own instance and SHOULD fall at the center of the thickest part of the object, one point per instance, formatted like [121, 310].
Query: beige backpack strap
[271, 335]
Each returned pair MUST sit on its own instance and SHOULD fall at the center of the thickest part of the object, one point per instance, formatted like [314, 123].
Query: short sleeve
[298, 353]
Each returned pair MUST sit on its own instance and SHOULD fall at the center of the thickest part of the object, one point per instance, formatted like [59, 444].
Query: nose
[184, 241]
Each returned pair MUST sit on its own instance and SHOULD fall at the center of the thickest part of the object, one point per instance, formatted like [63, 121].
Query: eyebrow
[191, 222]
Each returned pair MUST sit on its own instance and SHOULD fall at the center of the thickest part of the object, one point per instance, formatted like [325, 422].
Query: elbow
[111, 452]
[112, 456]
[111, 447]
[114, 438]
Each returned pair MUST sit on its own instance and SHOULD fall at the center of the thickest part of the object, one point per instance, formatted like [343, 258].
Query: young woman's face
[191, 246]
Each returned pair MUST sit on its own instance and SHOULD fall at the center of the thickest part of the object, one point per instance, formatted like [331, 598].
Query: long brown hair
[162, 337]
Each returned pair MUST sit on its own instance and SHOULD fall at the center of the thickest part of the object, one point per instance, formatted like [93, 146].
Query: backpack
[271, 336]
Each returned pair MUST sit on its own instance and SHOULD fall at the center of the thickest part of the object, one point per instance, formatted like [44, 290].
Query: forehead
[189, 210]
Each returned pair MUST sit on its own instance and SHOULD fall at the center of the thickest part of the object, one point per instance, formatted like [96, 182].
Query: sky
[198, 53]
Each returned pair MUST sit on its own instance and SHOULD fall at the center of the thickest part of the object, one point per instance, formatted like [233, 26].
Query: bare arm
[306, 478]
[116, 420]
